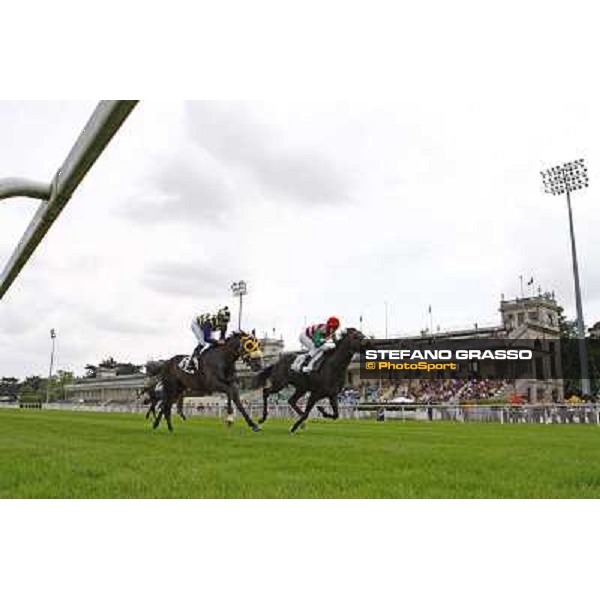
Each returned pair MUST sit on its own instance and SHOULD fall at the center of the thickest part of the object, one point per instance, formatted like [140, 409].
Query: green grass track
[55, 454]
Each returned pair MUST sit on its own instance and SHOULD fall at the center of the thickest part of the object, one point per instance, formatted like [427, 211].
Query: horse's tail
[261, 378]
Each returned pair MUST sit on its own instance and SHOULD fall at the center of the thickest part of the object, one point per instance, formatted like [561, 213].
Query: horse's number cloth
[185, 363]
[299, 361]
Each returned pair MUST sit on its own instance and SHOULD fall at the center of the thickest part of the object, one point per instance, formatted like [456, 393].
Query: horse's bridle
[251, 348]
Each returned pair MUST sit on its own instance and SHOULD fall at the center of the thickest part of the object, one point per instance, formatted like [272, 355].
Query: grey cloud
[234, 135]
[125, 325]
[184, 279]
[190, 188]
[12, 323]
[226, 129]
[302, 177]
[104, 320]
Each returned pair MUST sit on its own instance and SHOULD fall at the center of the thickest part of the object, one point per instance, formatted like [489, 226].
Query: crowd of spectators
[477, 390]
[440, 391]
[430, 391]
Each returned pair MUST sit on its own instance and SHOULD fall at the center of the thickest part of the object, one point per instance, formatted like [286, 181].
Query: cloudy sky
[324, 206]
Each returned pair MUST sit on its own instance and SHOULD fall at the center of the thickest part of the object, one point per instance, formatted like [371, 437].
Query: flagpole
[531, 284]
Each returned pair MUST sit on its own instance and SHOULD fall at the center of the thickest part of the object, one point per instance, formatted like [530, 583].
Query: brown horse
[215, 373]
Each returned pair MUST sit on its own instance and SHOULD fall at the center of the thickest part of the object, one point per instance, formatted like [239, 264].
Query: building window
[521, 318]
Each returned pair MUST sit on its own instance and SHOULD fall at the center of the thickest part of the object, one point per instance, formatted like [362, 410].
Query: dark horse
[216, 373]
[151, 394]
[326, 382]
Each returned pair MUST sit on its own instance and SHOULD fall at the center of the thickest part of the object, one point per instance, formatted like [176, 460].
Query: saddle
[302, 359]
[299, 362]
[188, 364]
[191, 364]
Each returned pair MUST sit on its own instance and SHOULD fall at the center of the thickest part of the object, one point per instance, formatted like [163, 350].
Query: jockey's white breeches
[198, 332]
[307, 342]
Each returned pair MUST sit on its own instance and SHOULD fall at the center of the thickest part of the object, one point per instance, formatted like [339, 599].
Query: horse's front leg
[157, 418]
[164, 402]
[180, 408]
[265, 395]
[293, 401]
[335, 414]
[166, 408]
[233, 394]
[153, 403]
[230, 417]
[312, 400]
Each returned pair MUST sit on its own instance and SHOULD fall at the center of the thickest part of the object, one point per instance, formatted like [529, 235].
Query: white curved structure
[105, 121]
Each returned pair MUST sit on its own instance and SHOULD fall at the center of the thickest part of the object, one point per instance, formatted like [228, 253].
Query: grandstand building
[107, 387]
[531, 318]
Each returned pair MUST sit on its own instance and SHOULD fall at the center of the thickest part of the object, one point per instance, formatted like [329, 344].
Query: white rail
[543, 414]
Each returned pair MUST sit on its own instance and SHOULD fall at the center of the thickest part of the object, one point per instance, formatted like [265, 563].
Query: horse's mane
[237, 334]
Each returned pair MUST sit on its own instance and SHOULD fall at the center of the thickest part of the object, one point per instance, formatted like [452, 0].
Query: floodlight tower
[239, 289]
[565, 179]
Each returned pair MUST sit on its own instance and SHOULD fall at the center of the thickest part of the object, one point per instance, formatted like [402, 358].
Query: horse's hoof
[261, 421]
[256, 429]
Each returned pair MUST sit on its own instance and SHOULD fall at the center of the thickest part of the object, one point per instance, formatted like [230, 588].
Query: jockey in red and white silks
[317, 339]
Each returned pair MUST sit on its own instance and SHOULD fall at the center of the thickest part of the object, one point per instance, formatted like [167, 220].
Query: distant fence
[103, 408]
[30, 404]
[548, 414]
[255, 409]
[528, 413]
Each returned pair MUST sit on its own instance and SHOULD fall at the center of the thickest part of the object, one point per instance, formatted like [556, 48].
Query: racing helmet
[333, 323]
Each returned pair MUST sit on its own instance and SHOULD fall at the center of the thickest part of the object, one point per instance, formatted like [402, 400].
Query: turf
[47, 454]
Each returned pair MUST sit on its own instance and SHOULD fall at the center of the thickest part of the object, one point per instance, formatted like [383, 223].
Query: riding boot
[204, 348]
[193, 363]
[314, 358]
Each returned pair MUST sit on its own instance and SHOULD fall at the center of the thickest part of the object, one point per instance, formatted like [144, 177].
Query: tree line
[36, 389]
